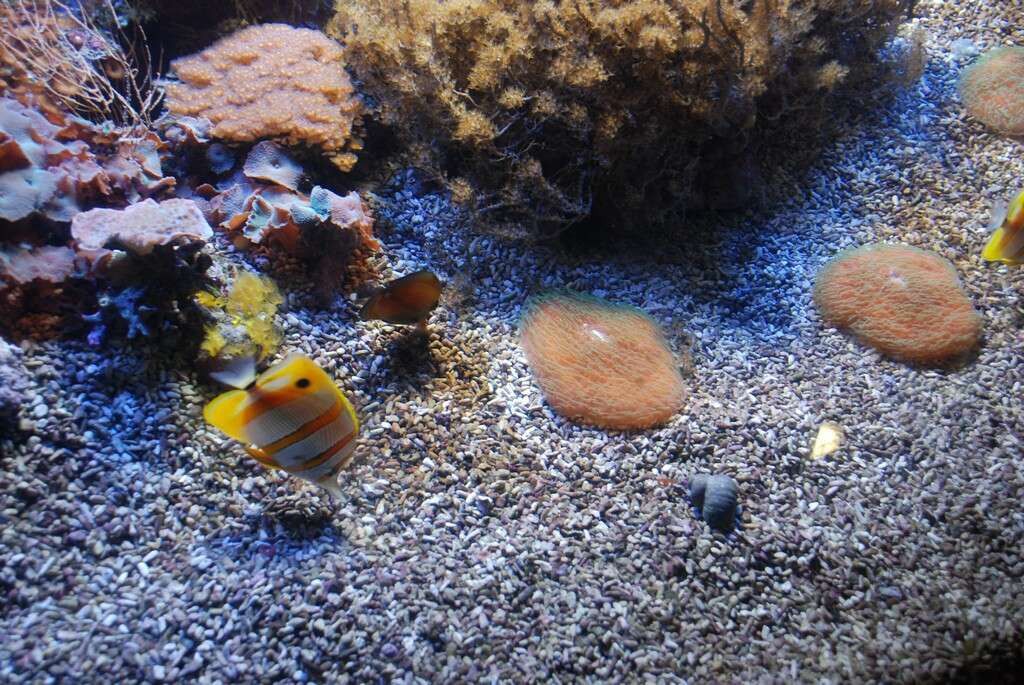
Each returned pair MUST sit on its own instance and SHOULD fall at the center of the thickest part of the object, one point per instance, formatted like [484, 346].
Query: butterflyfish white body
[293, 418]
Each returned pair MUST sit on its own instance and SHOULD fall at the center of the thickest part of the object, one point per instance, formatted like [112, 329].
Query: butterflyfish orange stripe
[321, 458]
[271, 426]
[262, 457]
[306, 430]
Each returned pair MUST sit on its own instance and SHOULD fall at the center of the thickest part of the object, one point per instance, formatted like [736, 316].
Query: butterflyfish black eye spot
[302, 383]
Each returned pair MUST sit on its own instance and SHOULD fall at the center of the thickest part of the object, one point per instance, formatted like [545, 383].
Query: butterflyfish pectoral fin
[225, 412]
[262, 457]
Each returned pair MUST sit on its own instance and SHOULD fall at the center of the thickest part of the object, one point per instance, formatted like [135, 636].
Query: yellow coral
[252, 303]
[208, 299]
[271, 81]
[245, 318]
[213, 341]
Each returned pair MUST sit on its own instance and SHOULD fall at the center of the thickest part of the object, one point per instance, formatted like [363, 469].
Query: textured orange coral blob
[600, 363]
[904, 301]
[993, 90]
[270, 81]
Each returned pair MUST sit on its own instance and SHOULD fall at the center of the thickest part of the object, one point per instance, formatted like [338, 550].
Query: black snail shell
[715, 496]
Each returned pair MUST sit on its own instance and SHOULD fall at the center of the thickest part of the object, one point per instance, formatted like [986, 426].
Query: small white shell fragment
[829, 439]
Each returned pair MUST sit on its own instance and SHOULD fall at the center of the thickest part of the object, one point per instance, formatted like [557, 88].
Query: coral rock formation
[54, 164]
[140, 227]
[258, 213]
[48, 263]
[328, 230]
[152, 295]
[903, 301]
[271, 81]
[33, 292]
[601, 363]
[269, 162]
[993, 90]
[539, 114]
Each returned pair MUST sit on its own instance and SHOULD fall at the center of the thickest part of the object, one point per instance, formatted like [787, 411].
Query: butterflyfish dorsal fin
[225, 412]
[238, 372]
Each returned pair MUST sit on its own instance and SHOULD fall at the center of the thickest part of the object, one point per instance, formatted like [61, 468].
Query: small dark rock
[715, 497]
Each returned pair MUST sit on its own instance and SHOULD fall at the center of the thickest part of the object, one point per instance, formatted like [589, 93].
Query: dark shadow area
[780, 182]
[181, 28]
[289, 529]
[408, 359]
[1005, 669]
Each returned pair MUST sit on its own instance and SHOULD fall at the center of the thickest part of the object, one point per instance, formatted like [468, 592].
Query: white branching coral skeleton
[61, 51]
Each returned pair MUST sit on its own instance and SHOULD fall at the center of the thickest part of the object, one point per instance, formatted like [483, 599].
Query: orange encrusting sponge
[992, 90]
[600, 363]
[271, 81]
[903, 301]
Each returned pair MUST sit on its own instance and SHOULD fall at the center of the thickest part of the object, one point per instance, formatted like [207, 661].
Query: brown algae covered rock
[37, 289]
[904, 301]
[600, 363]
[540, 114]
[993, 90]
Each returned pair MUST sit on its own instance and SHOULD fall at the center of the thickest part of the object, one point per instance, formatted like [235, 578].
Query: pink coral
[332, 233]
[600, 363]
[47, 264]
[347, 212]
[904, 301]
[268, 161]
[271, 81]
[139, 227]
[259, 213]
[54, 165]
[993, 90]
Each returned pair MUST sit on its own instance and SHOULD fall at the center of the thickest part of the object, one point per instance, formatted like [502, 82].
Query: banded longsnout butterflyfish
[293, 418]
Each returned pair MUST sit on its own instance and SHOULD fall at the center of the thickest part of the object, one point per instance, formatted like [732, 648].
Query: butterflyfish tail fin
[331, 486]
[224, 412]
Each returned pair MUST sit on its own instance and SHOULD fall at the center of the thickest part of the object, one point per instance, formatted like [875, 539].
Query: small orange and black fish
[407, 300]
